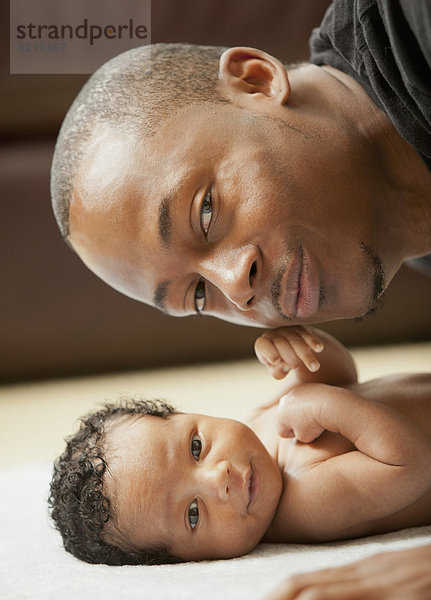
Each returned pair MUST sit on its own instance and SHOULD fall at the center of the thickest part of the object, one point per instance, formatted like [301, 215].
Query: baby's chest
[302, 514]
[294, 456]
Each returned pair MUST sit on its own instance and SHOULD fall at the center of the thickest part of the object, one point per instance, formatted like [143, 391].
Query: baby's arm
[390, 470]
[292, 349]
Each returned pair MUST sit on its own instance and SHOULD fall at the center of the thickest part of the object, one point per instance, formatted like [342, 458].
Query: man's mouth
[299, 291]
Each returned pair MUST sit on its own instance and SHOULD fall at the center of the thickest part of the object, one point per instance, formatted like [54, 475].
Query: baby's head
[142, 484]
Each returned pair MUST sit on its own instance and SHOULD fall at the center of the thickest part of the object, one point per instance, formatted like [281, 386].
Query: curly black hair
[78, 506]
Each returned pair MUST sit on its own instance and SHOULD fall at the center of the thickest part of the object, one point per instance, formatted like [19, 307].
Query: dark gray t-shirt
[386, 46]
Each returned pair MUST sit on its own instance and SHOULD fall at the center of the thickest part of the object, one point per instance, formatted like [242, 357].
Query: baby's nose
[216, 479]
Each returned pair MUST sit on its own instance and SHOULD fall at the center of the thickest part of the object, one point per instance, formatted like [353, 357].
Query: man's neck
[400, 183]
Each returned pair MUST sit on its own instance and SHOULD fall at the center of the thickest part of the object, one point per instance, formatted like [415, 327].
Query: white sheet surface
[34, 565]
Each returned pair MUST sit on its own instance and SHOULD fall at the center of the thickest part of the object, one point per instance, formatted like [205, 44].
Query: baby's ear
[249, 76]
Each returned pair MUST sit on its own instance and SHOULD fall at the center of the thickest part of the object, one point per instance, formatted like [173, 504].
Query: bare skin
[381, 201]
[398, 575]
[386, 576]
[345, 447]
[296, 202]
[331, 459]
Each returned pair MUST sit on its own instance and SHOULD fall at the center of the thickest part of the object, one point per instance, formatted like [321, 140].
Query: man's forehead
[109, 162]
[118, 215]
[120, 168]
[113, 200]
[116, 153]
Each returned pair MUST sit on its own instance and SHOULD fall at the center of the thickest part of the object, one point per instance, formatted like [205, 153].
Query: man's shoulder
[386, 47]
[351, 27]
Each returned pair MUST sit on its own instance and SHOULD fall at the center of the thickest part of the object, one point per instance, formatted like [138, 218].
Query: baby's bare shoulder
[396, 389]
[409, 393]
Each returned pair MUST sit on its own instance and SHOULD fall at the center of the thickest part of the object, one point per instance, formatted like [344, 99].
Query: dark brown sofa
[57, 318]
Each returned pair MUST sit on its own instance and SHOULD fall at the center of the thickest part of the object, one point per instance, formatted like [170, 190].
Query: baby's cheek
[239, 546]
[250, 534]
[237, 540]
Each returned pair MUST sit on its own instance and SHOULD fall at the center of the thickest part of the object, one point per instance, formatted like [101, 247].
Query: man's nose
[234, 272]
[215, 480]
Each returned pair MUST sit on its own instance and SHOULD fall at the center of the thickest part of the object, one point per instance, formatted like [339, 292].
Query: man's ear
[248, 75]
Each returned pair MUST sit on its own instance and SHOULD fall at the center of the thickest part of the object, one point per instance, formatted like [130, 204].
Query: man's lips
[299, 293]
[290, 283]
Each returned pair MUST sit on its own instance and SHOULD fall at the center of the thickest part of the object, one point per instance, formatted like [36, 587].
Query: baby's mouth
[252, 486]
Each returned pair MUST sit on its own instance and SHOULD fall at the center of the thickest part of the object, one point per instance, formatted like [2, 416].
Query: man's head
[153, 485]
[219, 186]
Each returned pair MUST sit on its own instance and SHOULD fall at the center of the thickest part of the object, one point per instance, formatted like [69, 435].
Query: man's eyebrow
[165, 222]
[160, 295]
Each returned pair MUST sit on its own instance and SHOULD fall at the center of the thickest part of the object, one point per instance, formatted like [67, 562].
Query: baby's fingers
[266, 352]
[296, 351]
[310, 338]
[279, 371]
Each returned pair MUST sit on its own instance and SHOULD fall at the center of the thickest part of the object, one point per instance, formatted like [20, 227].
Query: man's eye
[206, 212]
[199, 298]
[196, 447]
[193, 514]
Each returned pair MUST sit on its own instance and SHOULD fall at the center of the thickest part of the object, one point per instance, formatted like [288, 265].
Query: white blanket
[34, 565]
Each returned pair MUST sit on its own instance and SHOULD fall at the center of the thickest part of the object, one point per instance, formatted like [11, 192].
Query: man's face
[203, 487]
[227, 213]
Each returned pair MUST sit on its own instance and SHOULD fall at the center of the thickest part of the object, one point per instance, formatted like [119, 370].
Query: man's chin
[376, 305]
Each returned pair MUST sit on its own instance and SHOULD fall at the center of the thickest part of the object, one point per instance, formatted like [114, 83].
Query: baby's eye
[196, 447]
[193, 514]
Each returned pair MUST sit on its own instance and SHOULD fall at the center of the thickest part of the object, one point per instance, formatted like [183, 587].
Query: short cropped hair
[78, 505]
[137, 91]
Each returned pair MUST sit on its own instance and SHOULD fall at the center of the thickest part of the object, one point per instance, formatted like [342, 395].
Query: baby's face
[202, 486]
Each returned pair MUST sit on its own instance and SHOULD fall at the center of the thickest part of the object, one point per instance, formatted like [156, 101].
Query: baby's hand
[296, 416]
[288, 348]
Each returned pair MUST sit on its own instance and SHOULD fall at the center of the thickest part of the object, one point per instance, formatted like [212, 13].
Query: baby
[328, 460]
